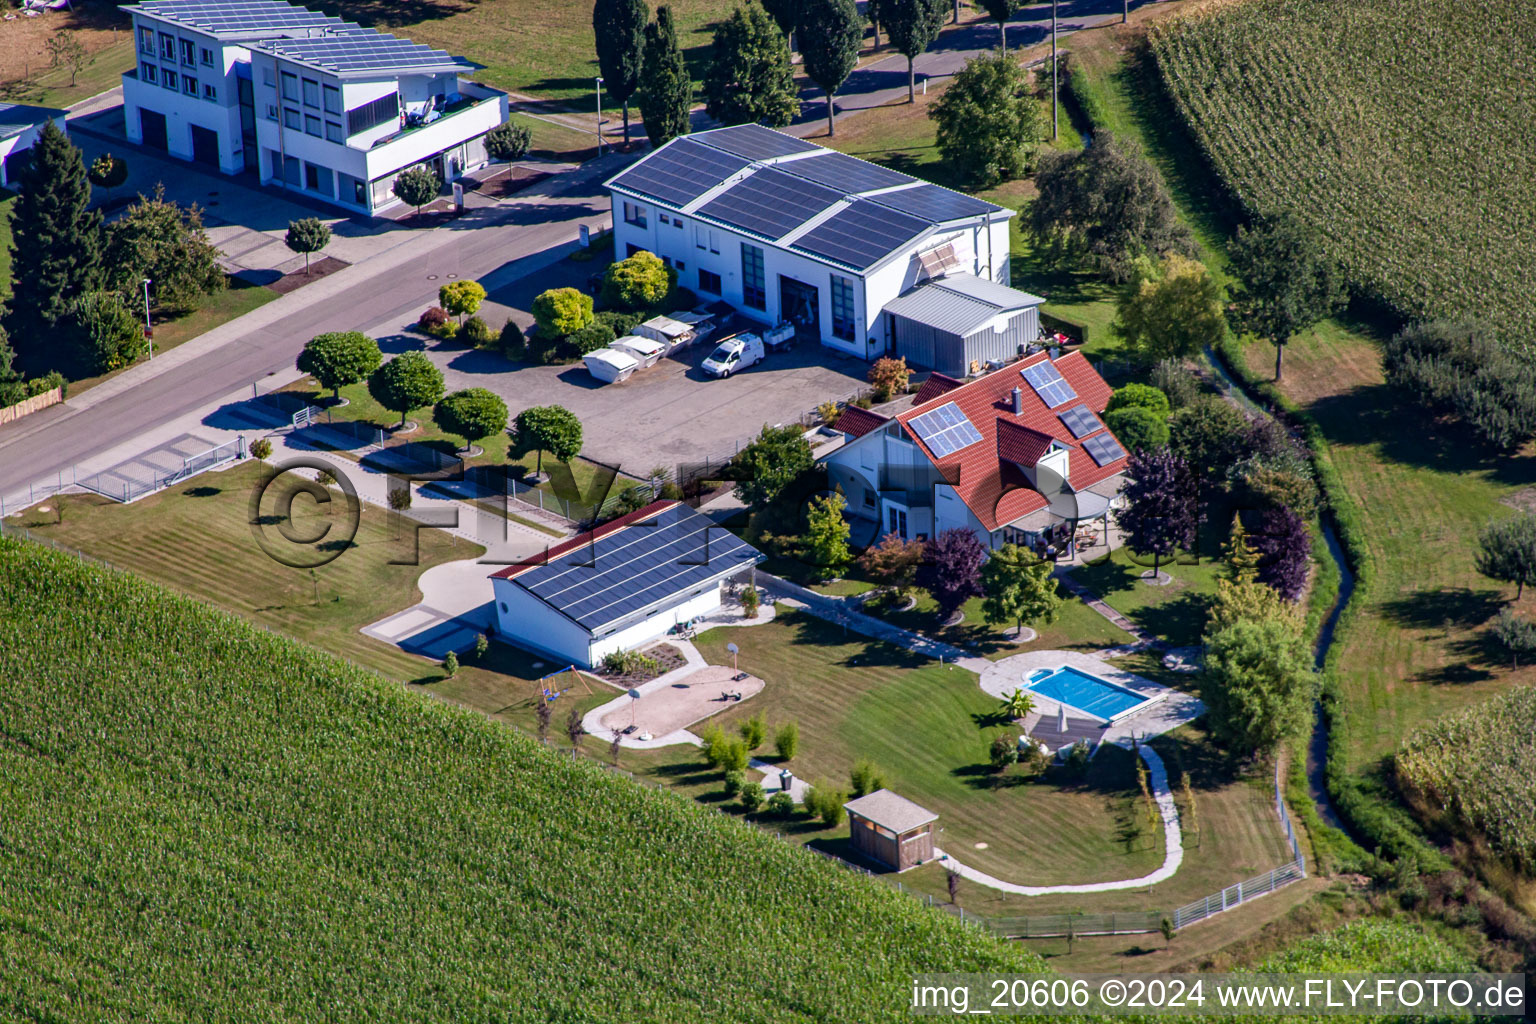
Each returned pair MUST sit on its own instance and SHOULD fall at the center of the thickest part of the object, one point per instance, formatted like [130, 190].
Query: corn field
[1399, 129]
[204, 821]
[1479, 769]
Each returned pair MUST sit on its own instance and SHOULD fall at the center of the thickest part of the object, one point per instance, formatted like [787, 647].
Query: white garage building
[621, 585]
[20, 126]
[786, 230]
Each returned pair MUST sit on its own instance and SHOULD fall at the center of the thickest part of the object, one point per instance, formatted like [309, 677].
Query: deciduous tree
[549, 428]
[55, 249]
[1172, 315]
[1284, 547]
[461, 297]
[1285, 282]
[474, 414]
[989, 125]
[889, 377]
[417, 186]
[951, 569]
[765, 467]
[408, 381]
[665, 93]
[1138, 428]
[65, 50]
[829, 33]
[785, 14]
[508, 141]
[638, 281]
[106, 333]
[893, 562]
[339, 358]
[1158, 517]
[619, 26]
[1257, 685]
[1506, 551]
[826, 533]
[562, 311]
[159, 239]
[750, 77]
[1000, 11]
[911, 26]
[1105, 205]
[1018, 586]
[307, 235]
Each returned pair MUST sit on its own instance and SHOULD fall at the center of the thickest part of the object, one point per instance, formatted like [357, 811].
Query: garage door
[205, 146]
[152, 129]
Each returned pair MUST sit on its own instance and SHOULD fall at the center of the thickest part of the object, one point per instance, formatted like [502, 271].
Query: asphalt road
[492, 247]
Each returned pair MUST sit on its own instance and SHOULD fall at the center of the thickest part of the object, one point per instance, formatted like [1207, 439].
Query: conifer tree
[749, 76]
[619, 27]
[666, 91]
[829, 33]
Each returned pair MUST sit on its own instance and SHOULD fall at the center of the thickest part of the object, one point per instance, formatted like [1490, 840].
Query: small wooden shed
[891, 829]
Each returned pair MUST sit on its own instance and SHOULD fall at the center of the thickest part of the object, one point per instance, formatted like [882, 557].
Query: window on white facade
[312, 125]
[167, 46]
[332, 99]
[311, 93]
[842, 308]
[169, 79]
[333, 132]
[266, 76]
[291, 119]
[271, 111]
[210, 93]
[149, 73]
[706, 238]
[709, 281]
[207, 56]
[664, 218]
[189, 53]
[290, 85]
[754, 282]
[634, 214]
[147, 41]
[189, 85]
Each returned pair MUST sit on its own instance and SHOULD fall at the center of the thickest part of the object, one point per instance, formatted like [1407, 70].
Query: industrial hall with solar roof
[312, 103]
[785, 230]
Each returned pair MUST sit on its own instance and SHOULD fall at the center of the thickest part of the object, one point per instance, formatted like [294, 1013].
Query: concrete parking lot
[665, 415]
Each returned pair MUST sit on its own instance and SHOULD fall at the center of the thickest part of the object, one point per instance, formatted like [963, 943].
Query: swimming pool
[1085, 692]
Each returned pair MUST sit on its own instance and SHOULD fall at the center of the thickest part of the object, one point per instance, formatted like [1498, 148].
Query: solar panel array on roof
[755, 142]
[861, 235]
[243, 15]
[368, 51]
[1049, 384]
[628, 571]
[933, 203]
[945, 430]
[680, 172]
[1080, 420]
[1104, 449]
[770, 203]
[844, 172]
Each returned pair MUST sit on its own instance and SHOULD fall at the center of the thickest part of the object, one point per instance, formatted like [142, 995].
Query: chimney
[1018, 402]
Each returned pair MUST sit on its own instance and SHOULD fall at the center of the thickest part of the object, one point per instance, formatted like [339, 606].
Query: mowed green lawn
[7, 204]
[1174, 611]
[197, 538]
[1419, 649]
[540, 47]
[927, 727]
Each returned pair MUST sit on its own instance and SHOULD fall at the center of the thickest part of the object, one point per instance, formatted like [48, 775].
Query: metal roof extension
[959, 303]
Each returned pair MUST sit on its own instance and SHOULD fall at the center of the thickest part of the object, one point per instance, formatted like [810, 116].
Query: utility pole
[1055, 113]
[599, 115]
[149, 331]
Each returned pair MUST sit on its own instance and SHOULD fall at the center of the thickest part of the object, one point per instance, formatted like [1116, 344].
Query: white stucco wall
[529, 622]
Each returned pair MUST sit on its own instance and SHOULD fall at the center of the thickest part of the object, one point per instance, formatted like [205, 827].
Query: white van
[733, 354]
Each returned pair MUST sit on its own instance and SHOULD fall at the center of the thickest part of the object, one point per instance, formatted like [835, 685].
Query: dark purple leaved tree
[951, 569]
[1159, 514]
[1284, 547]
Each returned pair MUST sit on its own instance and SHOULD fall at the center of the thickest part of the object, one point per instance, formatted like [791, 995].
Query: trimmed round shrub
[508, 141]
[562, 311]
[436, 322]
[781, 805]
[1137, 427]
[734, 780]
[751, 796]
[1139, 396]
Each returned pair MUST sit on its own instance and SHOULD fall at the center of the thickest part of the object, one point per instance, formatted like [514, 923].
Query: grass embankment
[927, 727]
[207, 820]
[7, 206]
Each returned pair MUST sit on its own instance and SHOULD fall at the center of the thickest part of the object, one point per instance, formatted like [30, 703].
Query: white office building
[784, 229]
[312, 103]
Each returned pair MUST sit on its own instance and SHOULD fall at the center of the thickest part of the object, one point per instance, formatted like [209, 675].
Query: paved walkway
[1173, 846]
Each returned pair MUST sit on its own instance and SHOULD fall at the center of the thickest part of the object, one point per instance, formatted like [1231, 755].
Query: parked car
[610, 366]
[733, 354]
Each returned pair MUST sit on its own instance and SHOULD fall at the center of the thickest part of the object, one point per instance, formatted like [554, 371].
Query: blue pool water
[1077, 689]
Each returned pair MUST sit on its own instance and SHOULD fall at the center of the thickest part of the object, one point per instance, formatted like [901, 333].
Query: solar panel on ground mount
[1080, 420]
[1104, 449]
[681, 172]
[847, 173]
[754, 142]
[630, 570]
[1049, 384]
[945, 430]
[770, 203]
[933, 203]
[861, 235]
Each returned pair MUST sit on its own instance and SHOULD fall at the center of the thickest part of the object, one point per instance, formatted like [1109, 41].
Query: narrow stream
[1317, 747]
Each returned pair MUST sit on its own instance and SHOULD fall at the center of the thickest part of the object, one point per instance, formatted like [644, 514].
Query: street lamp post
[599, 115]
[1055, 115]
[148, 330]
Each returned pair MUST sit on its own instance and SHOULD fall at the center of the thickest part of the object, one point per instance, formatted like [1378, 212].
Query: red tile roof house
[1007, 455]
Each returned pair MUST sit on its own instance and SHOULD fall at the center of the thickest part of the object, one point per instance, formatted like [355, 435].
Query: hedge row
[1367, 815]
